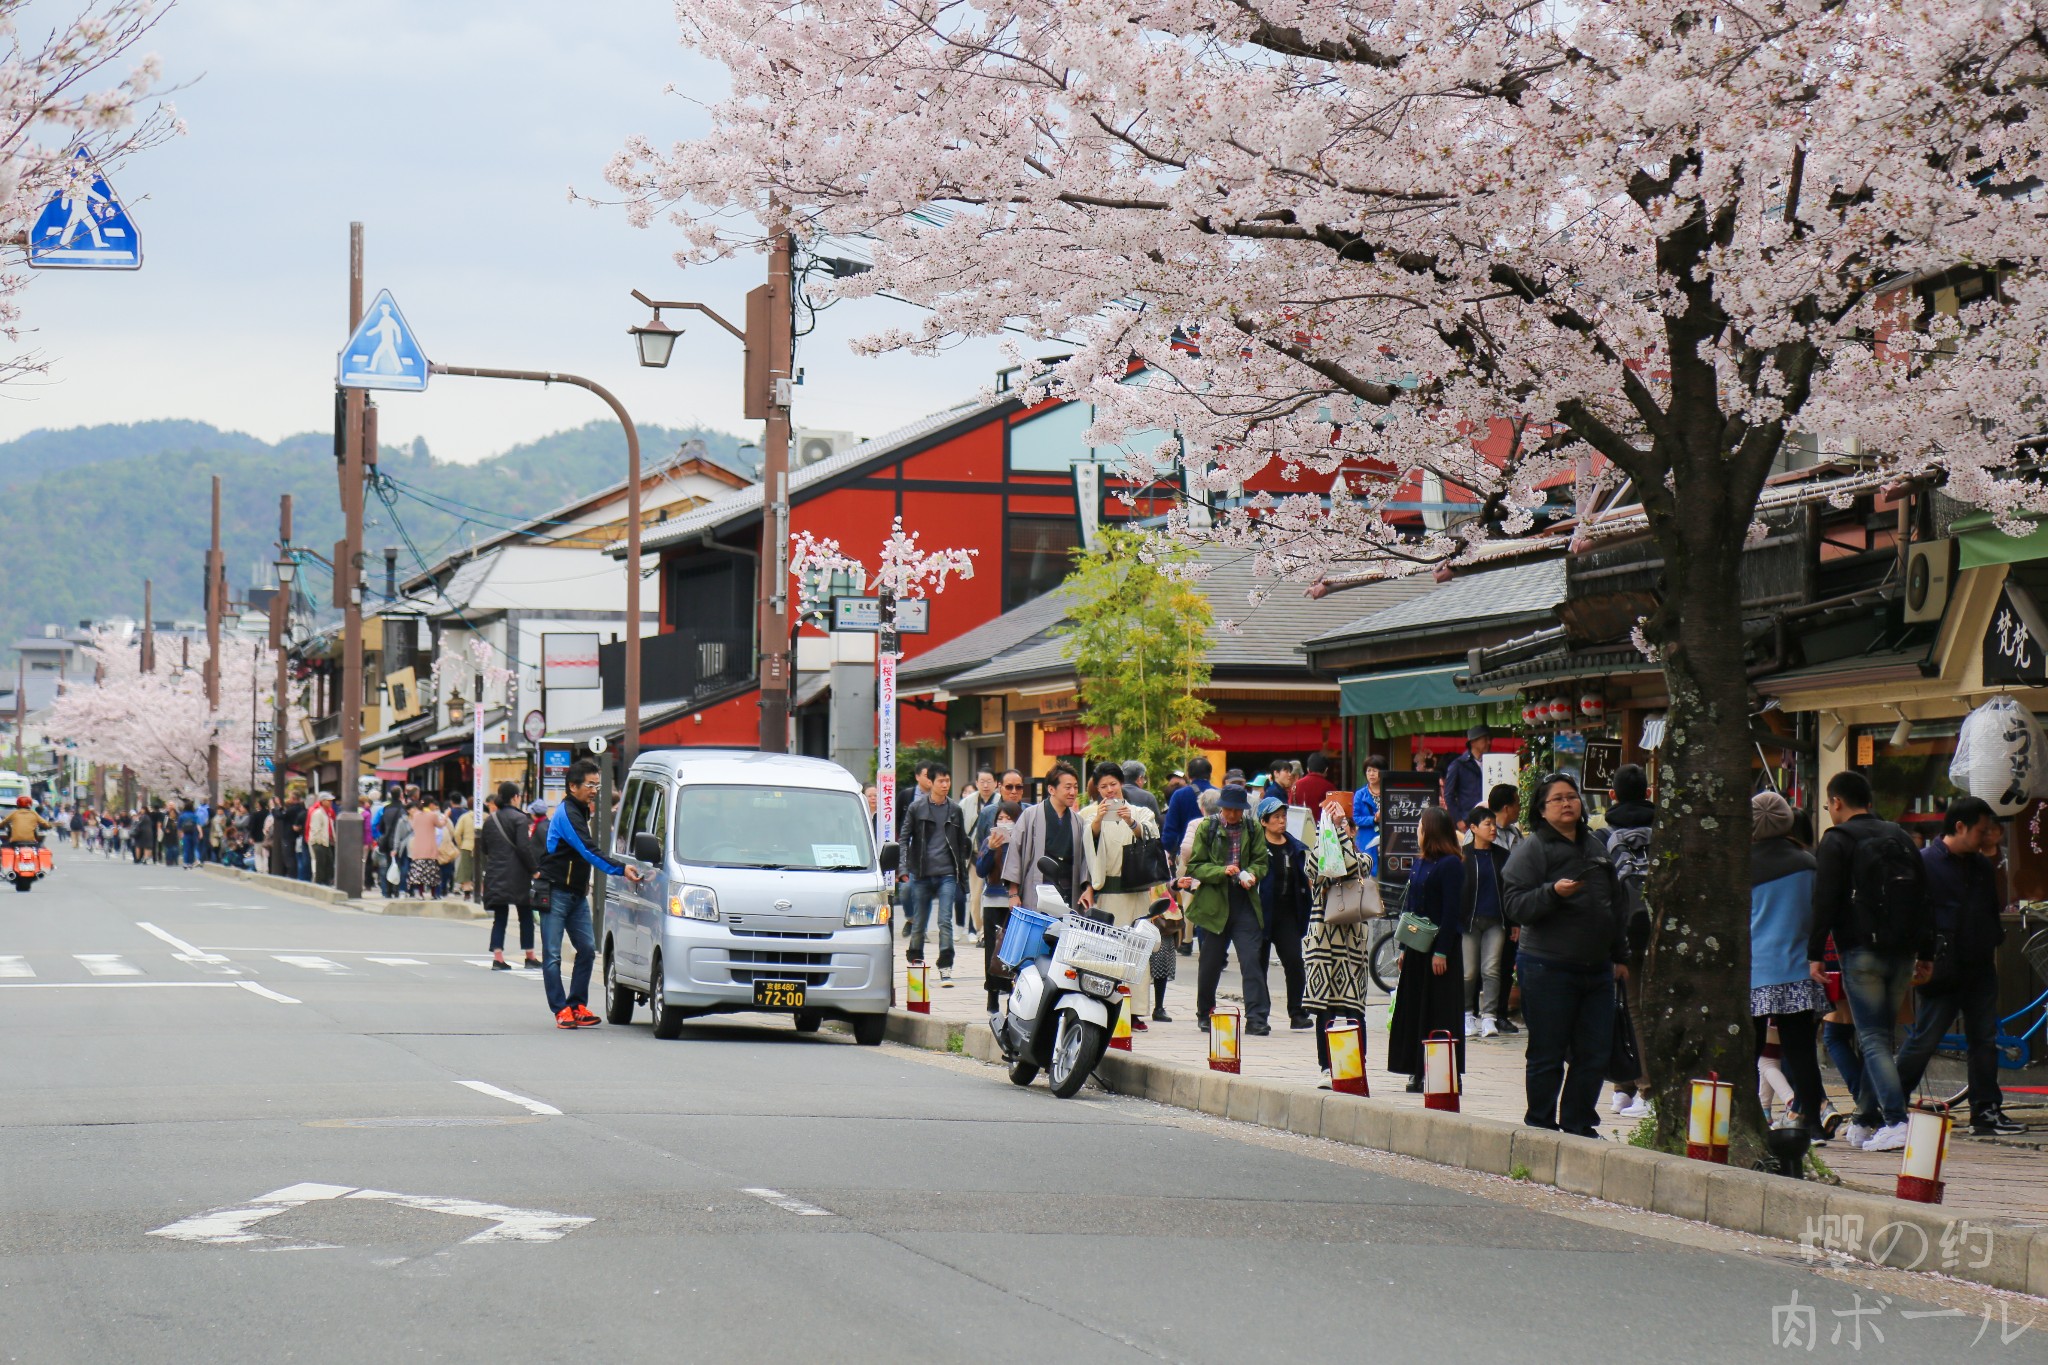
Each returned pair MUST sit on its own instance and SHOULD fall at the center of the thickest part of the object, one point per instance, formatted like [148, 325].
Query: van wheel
[618, 1000]
[668, 1019]
[869, 1028]
[807, 1021]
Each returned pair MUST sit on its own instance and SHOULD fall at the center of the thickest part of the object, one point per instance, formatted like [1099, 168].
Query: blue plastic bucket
[1023, 937]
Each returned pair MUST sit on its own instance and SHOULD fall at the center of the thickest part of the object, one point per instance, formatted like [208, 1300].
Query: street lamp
[656, 340]
[287, 570]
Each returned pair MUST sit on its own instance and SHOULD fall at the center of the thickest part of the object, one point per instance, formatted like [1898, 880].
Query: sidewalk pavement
[2010, 1176]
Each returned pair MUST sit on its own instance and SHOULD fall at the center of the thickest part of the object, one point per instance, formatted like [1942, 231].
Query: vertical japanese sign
[2015, 641]
[885, 748]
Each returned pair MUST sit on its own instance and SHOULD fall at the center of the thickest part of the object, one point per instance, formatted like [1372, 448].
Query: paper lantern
[1347, 1058]
[1706, 1132]
[917, 997]
[1120, 1034]
[1559, 711]
[1593, 706]
[1532, 713]
[1440, 1072]
[1225, 1037]
[2001, 756]
[1926, 1153]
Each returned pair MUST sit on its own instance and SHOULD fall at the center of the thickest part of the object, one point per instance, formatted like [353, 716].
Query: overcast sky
[453, 130]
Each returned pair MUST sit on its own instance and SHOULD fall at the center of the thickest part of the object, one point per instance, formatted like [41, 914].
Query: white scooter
[1073, 979]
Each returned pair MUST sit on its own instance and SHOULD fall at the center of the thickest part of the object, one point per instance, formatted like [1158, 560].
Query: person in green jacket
[1224, 867]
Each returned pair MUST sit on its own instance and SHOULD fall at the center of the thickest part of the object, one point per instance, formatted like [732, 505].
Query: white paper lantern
[2001, 755]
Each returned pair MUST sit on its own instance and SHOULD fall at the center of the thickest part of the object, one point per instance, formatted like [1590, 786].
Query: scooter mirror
[1048, 867]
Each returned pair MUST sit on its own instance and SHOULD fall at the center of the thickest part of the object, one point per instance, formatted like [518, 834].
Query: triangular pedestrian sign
[82, 226]
[383, 354]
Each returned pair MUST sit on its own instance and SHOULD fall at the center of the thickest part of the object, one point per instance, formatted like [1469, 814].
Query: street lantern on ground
[656, 340]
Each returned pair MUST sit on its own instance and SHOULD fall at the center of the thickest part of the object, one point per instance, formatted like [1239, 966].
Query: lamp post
[769, 342]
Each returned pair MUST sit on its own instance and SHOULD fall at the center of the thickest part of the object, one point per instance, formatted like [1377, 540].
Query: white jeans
[1484, 946]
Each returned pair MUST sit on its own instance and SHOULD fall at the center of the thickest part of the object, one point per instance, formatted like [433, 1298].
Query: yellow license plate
[779, 995]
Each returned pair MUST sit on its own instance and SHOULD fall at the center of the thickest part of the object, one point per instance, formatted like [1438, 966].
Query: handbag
[1352, 901]
[1416, 934]
[1144, 863]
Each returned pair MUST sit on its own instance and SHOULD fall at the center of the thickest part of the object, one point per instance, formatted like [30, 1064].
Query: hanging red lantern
[1559, 711]
[1593, 706]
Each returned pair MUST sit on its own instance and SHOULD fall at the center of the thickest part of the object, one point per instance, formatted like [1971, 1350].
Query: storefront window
[1910, 779]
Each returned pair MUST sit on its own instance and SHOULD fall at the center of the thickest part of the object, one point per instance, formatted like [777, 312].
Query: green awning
[1412, 689]
[1979, 542]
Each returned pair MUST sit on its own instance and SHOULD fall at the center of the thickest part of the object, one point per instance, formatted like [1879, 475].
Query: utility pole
[20, 714]
[771, 333]
[216, 584]
[148, 630]
[280, 615]
[358, 429]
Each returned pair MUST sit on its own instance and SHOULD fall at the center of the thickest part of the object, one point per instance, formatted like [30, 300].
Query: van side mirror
[891, 857]
[647, 847]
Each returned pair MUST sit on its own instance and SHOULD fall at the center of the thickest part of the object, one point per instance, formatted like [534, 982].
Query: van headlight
[864, 908]
[693, 902]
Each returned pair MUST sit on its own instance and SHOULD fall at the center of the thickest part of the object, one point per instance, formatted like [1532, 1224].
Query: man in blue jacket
[566, 869]
[1365, 812]
[1465, 775]
[1184, 807]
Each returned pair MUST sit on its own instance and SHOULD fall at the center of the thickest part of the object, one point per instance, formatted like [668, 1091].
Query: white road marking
[531, 1106]
[106, 964]
[479, 962]
[208, 962]
[122, 985]
[15, 966]
[396, 961]
[311, 964]
[340, 952]
[264, 991]
[790, 1205]
[231, 1226]
[185, 951]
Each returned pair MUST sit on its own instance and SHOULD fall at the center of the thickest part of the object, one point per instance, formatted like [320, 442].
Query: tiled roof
[747, 501]
[988, 642]
[1530, 589]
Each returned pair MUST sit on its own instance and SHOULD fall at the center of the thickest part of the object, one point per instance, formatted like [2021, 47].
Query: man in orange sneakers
[566, 870]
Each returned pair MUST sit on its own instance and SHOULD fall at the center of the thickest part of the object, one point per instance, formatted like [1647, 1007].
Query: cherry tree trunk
[1695, 996]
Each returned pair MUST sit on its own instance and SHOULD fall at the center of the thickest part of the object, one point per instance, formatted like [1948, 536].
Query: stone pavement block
[1375, 1123]
[1412, 1131]
[1343, 1119]
[2037, 1266]
[1305, 1112]
[1951, 1242]
[1681, 1188]
[1535, 1150]
[1490, 1145]
[1214, 1095]
[1793, 1209]
[1241, 1099]
[1735, 1198]
[1187, 1088]
[1629, 1176]
[1580, 1163]
[1869, 1213]
[1273, 1105]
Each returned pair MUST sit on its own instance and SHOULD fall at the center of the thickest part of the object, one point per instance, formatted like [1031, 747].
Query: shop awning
[1412, 689]
[406, 765]
[1979, 542]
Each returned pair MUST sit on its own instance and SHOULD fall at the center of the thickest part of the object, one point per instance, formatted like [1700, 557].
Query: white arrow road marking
[264, 991]
[790, 1205]
[311, 964]
[15, 966]
[231, 1226]
[185, 951]
[531, 1106]
[106, 964]
[396, 961]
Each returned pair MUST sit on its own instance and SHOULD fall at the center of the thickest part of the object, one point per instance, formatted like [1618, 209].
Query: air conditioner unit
[1930, 575]
[809, 447]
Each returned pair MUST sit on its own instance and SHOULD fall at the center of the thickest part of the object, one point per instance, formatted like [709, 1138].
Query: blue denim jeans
[1876, 984]
[1840, 1041]
[1974, 995]
[1569, 1008]
[925, 895]
[571, 912]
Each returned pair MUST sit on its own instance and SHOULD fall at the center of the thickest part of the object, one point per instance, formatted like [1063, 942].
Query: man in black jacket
[934, 840]
[508, 864]
[571, 853]
[1884, 947]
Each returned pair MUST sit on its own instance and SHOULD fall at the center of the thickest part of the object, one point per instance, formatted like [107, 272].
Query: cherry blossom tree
[1640, 240]
[158, 723]
[62, 90]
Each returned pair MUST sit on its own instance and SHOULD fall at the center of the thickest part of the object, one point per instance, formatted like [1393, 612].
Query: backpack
[1888, 887]
[1629, 850]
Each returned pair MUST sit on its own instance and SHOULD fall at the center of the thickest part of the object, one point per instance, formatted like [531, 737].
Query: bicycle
[2013, 1048]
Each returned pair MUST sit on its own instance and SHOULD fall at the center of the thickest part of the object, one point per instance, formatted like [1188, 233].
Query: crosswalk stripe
[311, 964]
[106, 964]
[15, 966]
[396, 961]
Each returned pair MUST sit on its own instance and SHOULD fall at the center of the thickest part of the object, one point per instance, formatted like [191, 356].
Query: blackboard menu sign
[1402, 798]
[1603, 756]
[2015, 643]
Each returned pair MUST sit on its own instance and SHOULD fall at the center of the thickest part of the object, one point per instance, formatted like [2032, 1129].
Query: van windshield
[792, 828]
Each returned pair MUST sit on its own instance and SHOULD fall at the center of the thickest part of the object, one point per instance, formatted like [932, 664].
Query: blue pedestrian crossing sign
[83, 226]
[384, 353]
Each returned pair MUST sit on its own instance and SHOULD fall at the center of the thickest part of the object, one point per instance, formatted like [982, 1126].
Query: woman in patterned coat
[1334, 957]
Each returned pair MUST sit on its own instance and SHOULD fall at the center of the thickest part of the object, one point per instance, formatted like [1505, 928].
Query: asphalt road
[750, 1195]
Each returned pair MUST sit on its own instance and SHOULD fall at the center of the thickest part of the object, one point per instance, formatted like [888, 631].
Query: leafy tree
[1139, 638]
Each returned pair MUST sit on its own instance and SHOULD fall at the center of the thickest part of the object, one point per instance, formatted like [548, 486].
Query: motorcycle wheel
[24, 883]
[1076, 1048]
[1023, 1071]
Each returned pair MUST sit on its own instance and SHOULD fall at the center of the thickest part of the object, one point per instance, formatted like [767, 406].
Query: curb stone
[327, 895]
[1984, 1248]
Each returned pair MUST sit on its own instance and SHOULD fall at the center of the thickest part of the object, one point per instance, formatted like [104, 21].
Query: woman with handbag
[1430, 996]
[1284, 898]
[1334, 953]
[423, 874]
[1125, 859]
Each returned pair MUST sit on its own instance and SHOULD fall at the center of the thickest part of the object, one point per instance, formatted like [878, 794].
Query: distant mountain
[87, 514]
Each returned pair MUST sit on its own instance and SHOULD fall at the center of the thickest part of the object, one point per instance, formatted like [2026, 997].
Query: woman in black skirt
[1430, 996]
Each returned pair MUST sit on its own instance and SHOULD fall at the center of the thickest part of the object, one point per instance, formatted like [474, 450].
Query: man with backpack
[1870, 894]
[1629, 819]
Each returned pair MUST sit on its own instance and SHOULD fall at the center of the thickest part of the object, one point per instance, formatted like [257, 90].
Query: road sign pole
[215, 584]
[280, 618]
[348, 820]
